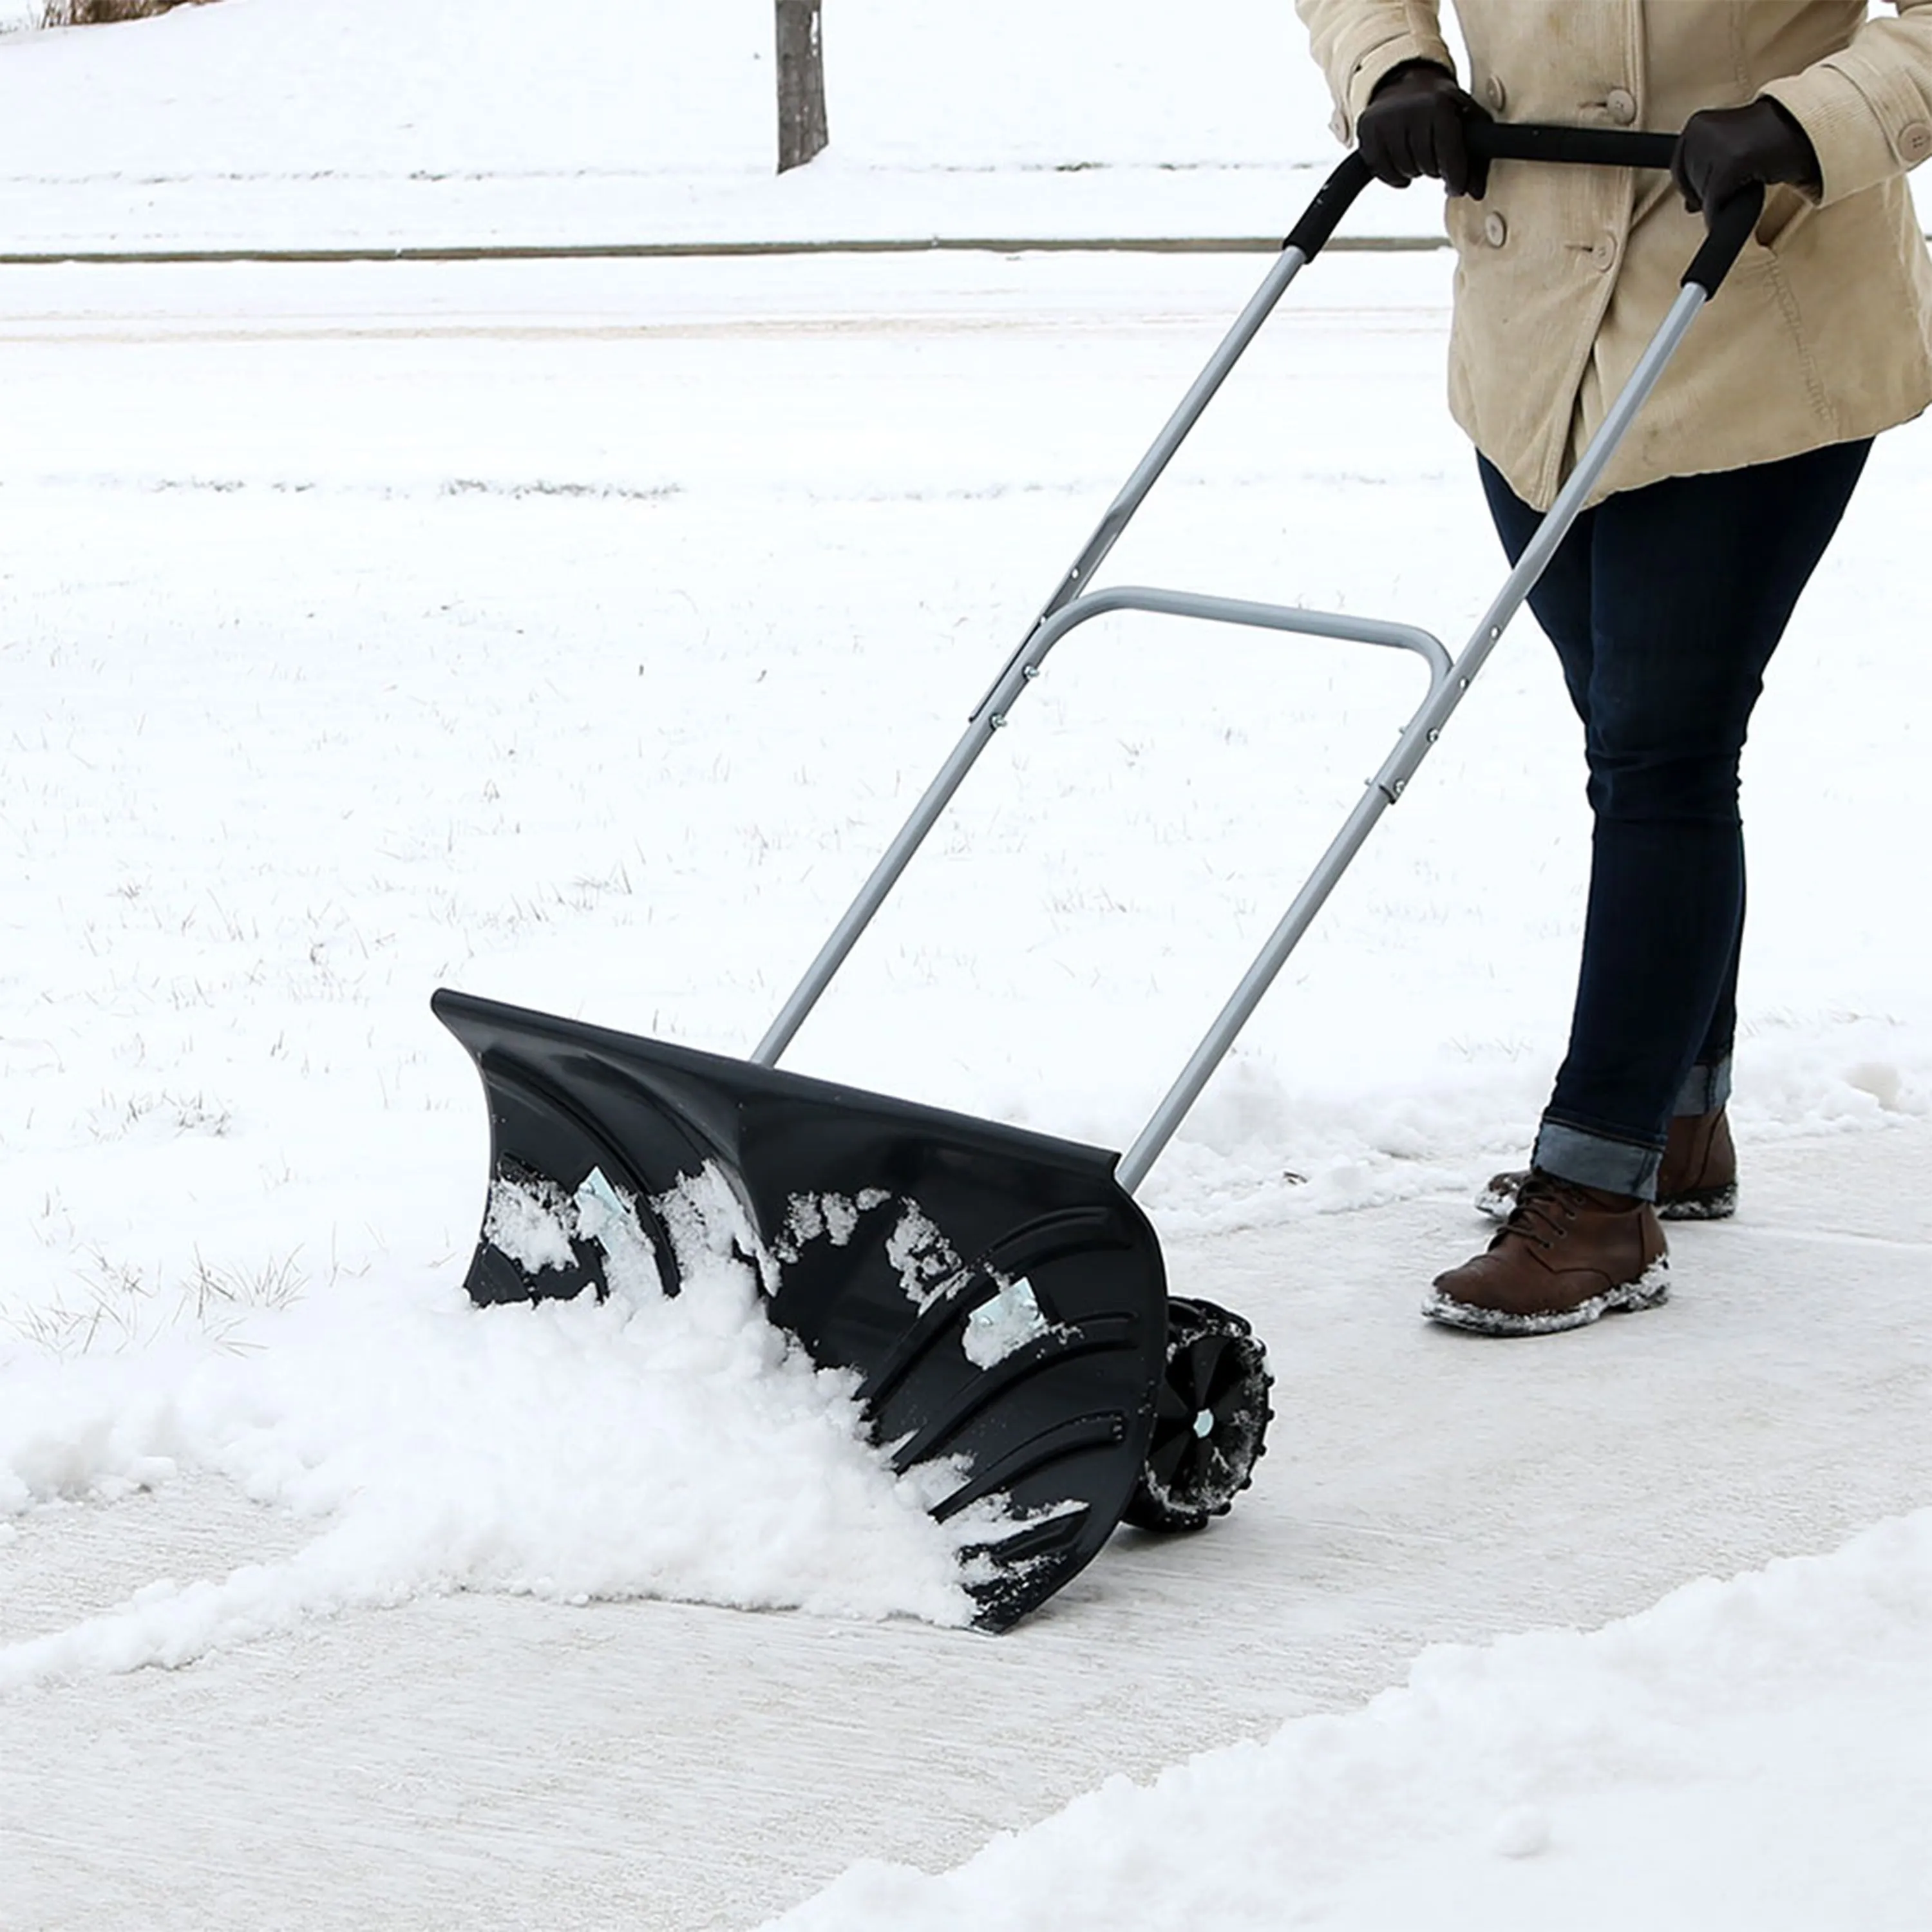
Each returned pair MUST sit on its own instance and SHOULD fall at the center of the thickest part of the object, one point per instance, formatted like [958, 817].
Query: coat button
[1604, 252]
[1496, 94]
[1496, 229]
[1914, 141]
[1622, 106]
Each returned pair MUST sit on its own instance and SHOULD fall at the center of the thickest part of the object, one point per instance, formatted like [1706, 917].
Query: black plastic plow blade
[1000, 1295]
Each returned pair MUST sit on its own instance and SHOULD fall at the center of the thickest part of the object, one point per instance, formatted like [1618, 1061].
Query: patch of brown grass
[105, 13]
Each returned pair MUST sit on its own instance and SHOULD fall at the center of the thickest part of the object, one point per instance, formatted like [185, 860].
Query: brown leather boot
[1566, 1256]
[1698, 1181]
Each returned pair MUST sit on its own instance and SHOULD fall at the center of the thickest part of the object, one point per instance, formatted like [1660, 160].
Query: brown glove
[1413, 125]
[1725, 148]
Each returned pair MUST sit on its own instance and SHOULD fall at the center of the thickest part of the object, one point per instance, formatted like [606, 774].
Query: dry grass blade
[120, 1307]
[107, 12]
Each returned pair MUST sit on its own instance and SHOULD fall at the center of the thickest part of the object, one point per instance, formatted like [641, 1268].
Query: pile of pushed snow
[646, 1445]
[1757, 1754]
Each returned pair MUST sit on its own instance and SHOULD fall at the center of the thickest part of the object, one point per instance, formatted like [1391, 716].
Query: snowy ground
[579, 639]
[283, 124]
[462, 121]
[578, 634]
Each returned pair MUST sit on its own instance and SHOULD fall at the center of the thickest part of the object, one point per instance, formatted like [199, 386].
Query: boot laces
[1545, 1207]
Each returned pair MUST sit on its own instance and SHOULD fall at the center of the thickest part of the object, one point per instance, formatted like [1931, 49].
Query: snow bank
[1757, 1753]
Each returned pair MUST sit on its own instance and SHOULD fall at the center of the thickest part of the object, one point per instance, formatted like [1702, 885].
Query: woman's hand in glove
[1723, 149]
[1413, 125]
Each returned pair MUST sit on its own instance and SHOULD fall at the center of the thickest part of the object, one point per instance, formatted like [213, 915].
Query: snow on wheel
[1211, 1415]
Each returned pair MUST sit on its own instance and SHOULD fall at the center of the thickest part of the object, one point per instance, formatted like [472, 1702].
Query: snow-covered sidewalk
[501, 1762]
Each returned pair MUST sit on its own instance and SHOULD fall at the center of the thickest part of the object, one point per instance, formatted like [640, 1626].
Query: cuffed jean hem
[1705, 1089]
[1594, 1160]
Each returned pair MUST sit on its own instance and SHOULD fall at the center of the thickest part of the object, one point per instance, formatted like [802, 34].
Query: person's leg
[1707, 1085]
[1693, 580]
[1699, 1163]
[1699, 1143]
[1563, 600]
[1689, 584]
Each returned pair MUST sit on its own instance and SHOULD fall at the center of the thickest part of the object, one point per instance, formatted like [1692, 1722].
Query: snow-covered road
[578, 635]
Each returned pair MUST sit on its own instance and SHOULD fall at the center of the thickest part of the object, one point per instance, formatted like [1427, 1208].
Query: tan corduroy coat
[1822, 333]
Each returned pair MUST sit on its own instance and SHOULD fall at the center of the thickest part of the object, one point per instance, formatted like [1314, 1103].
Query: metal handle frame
[1074, 603]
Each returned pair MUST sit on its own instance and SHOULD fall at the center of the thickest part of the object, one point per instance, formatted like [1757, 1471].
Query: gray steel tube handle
[1448, 681]
[990, 713]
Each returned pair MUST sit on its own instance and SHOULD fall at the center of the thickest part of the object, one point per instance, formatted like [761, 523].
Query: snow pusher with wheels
[999, 1294]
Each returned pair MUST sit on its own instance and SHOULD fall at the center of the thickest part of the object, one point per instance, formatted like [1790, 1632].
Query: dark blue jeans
[1665, 605]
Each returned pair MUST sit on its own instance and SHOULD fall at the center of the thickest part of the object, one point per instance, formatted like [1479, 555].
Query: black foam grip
[1333, 200]
[1493, 141]
[1576, 147]
[1730, 227]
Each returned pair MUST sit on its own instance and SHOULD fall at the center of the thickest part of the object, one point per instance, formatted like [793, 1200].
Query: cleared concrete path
[486, 1762]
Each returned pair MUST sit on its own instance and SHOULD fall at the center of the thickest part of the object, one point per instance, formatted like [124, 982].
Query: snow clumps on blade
[527, 1220]
[1003, 1325]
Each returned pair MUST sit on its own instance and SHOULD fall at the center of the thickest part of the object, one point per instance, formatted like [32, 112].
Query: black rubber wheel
[1210, 1420]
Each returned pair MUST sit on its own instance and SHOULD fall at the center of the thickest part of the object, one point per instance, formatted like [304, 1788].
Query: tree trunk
[801, 83]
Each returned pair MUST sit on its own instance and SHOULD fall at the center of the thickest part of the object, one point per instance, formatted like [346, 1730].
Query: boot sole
[1710, 1204]
[1713, 1204]
[1650, 1289]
